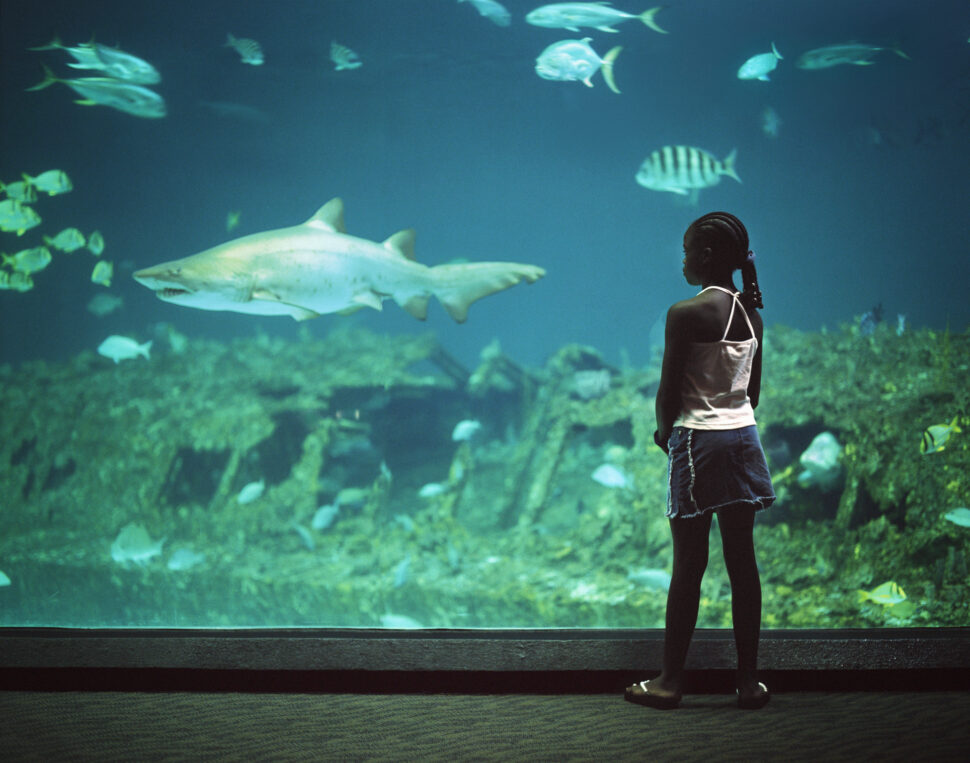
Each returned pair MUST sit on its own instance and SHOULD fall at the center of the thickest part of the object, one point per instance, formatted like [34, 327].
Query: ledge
[458, 651]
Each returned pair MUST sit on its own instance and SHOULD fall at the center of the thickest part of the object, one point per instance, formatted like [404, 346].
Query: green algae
[520, 535]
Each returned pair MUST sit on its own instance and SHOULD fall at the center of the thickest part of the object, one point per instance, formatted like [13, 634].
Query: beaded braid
[727, 233]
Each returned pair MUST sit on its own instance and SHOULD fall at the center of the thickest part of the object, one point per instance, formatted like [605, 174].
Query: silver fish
[575, 60]
[106, 91]
[848, 53]
[599, 16]
[495, 12]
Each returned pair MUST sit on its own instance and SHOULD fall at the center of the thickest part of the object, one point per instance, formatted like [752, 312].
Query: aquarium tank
[238, 389]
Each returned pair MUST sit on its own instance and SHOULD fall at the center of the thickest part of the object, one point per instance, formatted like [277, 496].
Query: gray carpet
[128, 726]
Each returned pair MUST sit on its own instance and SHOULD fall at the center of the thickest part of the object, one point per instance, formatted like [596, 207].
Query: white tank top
[715, 387]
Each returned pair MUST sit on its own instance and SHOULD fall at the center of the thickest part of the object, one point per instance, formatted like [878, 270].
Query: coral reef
[506, 529]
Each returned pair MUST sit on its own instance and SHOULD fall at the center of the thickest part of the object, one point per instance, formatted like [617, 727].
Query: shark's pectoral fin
[369, 299]
[298, 312]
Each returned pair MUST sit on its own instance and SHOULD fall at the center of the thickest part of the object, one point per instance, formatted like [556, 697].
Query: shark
[316, 268]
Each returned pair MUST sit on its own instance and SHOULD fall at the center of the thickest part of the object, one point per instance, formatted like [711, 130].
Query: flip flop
[644, 697]
[755, 702]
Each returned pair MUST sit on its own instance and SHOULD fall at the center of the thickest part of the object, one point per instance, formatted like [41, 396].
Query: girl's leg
[737, 538]
[690, 538]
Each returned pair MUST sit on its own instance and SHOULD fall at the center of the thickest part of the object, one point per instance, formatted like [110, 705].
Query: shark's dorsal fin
[329, 217]
[401, 243]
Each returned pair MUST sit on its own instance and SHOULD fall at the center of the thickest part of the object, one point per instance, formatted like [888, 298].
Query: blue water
[861, 198]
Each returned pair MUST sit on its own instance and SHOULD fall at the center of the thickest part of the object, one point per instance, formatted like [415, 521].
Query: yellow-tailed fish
[935, 437]
[16, 217]
[20, 190]
[102, 273]
[887, 594]
[68, 240]
[51, 182]
[232, 220]
[96, 243]
[249, 50]
[29, 260]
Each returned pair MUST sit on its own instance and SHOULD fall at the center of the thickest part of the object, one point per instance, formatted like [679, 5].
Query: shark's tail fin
[457, 286]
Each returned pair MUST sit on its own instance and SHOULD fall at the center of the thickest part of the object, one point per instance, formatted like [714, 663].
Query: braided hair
[727, 238]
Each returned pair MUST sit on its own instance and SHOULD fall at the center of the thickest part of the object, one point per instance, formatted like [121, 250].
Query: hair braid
[727, 237]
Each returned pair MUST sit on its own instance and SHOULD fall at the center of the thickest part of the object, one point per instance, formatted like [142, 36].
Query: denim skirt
[709, 469]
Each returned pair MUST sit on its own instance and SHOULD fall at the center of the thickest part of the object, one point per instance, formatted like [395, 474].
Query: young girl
[709, 387]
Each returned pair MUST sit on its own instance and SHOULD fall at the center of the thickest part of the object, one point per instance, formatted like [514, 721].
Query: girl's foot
[753, 697]
[651, 694]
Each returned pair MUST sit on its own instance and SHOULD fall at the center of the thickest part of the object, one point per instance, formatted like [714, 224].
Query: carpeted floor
[186, 726]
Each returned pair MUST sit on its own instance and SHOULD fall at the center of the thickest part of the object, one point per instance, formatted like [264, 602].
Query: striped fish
[683, 169]
[249, 50]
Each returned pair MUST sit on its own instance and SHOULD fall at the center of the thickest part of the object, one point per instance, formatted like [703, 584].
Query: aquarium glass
[333, 422]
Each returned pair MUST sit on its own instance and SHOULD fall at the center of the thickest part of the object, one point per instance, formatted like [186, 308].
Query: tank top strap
[734, 303]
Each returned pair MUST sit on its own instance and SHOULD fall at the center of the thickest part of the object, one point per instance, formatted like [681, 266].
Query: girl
[709, 387]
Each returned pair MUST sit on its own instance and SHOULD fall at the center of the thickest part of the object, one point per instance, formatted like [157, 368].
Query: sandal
[756, 701]
[640, 694]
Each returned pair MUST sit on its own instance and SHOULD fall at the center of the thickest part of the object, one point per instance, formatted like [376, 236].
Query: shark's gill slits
[170, 292]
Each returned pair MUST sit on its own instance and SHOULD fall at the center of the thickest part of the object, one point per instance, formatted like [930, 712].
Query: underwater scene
[350, 313]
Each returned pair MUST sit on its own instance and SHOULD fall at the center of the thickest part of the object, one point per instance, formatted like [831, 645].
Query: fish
[232, 220]
[16, 281]
[759, 66]
[650, 578]
[399, 622]
[185, 559]
[575, 60]
[402, 572]
[102, 273]
[465, 430]
[29, 260]
[104, 304]
[959, 516]
[120, 348]
[51, 182]
[114, 62]
[343, 57]
[134, 544]
[250, 492]
[68, 240]
[887, 594]
[325, 516]
[20, 190]
[432, 490]
[17, 217]
[132, 99]
[609, 475]
[494, 11]
[316, 268]
[4, 579]
[682, 169]
[305, 536]
[936, 437]
[95, 243]
[869, 320]
[249, 50]
[599, 16]
[770, 122]
[855, 53]
[900, 324]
